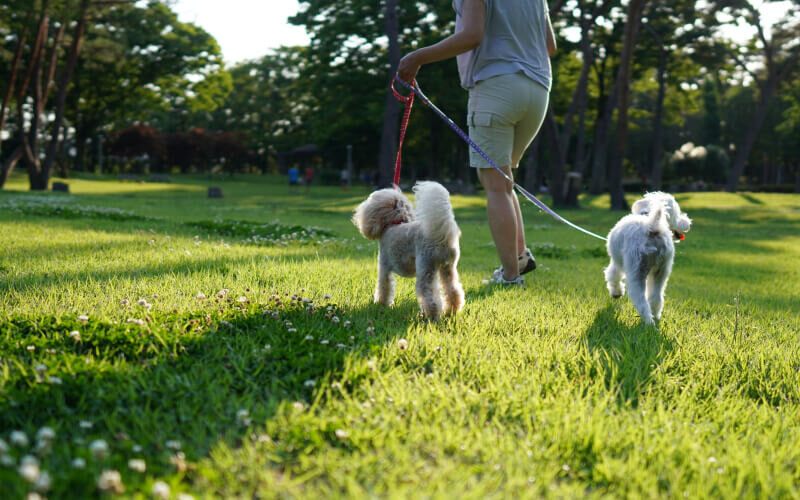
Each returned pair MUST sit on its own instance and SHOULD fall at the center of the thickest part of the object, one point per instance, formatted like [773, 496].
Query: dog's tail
[656, 221]
[434, 211]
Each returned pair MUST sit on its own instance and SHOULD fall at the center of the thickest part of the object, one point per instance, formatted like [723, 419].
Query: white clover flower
[222, 293]
[56, 380]
[402, 344]
[243, 418]
[298, 405]
[324, 341]
[135, 321]
[110, 480]
[99, 449]
[201, 296]
[75, 335]
[371, 365]
[41, 368]
[173, 444]
[125, 302]
[46, 434]
[85, 424]
[43, 483]
[341, 434]
[335, 319]
[18, 438]
[78, 463]
[370, 330]
[83, 318]
[267, 347]
[340, 346]
[136, 448]
[7, 460]
[29, 468]
[347, 324]
[137, 464]
[276, 315]
[309, 337]
[160, 490]
[187, 252]
[336, 385]
[310, 383]
[326, 296]
[142, 302]
[148, 306]
[241, 300]
[31, 348]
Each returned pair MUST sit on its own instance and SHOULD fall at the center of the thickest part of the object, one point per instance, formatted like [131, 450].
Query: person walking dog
[503, 51]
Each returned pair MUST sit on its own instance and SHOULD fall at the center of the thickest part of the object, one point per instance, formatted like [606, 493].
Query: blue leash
[418, 91]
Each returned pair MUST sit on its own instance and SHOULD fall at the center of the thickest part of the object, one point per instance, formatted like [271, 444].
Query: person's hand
[408, 67]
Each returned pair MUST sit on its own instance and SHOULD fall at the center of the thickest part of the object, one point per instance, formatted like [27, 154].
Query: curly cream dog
[642, 251]
[421, 242]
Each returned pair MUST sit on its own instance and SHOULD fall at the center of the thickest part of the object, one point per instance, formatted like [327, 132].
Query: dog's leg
[656, 284]
[428, 294]
[637, 275]
[384, 291]
[613, 275]
[453, 291]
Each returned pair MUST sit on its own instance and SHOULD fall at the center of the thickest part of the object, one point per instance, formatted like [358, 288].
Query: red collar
[394, 223]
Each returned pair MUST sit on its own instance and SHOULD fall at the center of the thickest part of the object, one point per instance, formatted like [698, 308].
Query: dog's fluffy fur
[421, 242]
[642, 251]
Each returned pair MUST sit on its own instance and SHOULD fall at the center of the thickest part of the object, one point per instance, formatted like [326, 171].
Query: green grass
[553, 390]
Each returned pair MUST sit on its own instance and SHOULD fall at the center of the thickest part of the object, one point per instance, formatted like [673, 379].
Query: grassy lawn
[229, 348]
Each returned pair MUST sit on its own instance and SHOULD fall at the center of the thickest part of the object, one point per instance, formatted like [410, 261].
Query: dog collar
[395, 223]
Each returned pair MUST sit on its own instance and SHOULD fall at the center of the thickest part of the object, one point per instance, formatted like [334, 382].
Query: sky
[244, 29]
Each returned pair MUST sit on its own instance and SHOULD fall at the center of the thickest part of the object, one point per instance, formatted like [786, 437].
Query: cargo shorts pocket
[480, 119]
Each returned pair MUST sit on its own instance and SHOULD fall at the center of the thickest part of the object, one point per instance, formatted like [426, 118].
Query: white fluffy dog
[642, 250]
[421, 242]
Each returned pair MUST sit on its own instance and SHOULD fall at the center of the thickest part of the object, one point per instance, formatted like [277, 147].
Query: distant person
[344, 176]
[503, 51]
[294, 175]
[309, 177]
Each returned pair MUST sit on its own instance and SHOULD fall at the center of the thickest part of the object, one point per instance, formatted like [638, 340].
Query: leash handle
[408, 101]
[414, 88]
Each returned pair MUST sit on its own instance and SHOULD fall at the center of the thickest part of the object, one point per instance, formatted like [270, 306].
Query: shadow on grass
[184, 378]
[627, 354]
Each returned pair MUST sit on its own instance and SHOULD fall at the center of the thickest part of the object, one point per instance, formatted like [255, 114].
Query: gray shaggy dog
[421, 242]
[642, 251]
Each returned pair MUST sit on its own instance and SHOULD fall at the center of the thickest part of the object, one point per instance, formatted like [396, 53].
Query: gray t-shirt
[515, 40]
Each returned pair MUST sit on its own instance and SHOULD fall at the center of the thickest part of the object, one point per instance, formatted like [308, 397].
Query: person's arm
[551, 39]
[473, 18]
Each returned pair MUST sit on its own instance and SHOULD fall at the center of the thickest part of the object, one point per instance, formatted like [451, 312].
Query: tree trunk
[602, 125]
[797, 180]
[746, 146]
[388, 149]
[657, 151]
[635, 10]
[63, 85]
[8, 166]
[556, 168]
[531, 165]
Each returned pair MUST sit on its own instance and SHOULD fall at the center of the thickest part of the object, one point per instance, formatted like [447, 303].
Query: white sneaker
[497, 278]
[525, 262]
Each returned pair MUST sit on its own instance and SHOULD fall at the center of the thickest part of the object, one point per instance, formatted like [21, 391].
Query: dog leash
[409, 101]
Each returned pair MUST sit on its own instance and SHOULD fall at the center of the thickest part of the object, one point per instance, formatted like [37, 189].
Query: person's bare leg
[521, 245]
[502, 215]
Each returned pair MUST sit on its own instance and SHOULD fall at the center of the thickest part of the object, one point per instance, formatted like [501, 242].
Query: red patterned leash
[408, 101]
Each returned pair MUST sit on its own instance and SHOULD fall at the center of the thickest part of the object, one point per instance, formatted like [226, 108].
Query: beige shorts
[504, 114]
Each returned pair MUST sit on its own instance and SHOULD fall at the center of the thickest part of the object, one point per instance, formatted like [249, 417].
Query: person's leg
[502, 215]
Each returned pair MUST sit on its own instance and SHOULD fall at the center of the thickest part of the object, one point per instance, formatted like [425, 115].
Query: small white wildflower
[136, 448]
[18, 438]
[341, 434]
[142, 302]
[173, 444]
[125, 302]
[99, 449]
[29, 468]
[78, 463]
[340, 346]
[402, 344]
[40, 368]
[56, 380]
[324, 342]
[31, 348]
[148, 306]
[187, 252]
[137, 464]
[299, 406]
[201, 296]
[310, 383]
[160, 490]
[329, 309]
[309, 337]
[243, 418]
[347, 324]
[371, 365]
[370, 330]
[75, 335]
[326, 296]
[83, 318]
[241, 300]
[712, 460]
[276, 315]
[7, 460]
[3, 447]
[43, 483]
[85, 424]
[336, 385]
[222, 293]
[46, 434]
[135, 321]
[110, 480]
